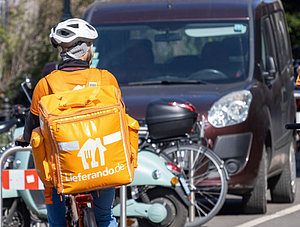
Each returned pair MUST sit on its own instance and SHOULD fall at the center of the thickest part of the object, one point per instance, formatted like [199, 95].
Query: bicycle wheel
[206, 177]
[89, 218]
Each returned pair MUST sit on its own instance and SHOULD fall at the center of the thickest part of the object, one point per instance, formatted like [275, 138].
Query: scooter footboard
[155, 212]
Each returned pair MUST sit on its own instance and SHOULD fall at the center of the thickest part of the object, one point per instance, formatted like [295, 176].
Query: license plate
[185, 186]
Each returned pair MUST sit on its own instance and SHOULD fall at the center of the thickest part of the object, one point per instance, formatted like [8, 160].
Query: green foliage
[293, 21]
[292, 9]
[24, 40]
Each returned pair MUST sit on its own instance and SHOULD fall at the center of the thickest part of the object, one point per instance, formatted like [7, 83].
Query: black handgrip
[293, 126]
[22, 144]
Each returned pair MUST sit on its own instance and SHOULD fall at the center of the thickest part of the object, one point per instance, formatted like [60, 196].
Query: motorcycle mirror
[28, 82]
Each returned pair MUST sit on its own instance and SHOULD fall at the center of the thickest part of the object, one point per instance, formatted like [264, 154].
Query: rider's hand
[20, 141]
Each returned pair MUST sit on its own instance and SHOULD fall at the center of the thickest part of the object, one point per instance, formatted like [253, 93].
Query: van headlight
[231, 109]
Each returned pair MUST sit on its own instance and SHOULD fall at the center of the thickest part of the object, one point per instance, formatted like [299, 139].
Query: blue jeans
[102, 205]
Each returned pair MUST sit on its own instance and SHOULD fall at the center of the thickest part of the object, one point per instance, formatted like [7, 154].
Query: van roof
[129, 11]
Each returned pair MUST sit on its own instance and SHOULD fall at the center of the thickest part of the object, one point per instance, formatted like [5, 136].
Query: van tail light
[173, 168]
[185, 105]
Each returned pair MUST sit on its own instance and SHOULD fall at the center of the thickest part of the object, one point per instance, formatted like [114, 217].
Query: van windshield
[174, 52]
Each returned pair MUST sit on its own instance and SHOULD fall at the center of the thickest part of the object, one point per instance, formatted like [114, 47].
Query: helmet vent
[65, 33]
[73, 25]
[90, 27]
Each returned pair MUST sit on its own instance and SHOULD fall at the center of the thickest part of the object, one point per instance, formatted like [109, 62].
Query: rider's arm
[32, 120]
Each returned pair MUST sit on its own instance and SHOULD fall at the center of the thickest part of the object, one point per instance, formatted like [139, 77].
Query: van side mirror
[270, 72]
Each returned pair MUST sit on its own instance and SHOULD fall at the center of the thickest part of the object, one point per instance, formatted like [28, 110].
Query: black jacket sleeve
[32, 121]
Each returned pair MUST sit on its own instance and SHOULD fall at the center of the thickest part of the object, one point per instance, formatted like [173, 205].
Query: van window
[268, 44]
[174, 51]
[282, 41]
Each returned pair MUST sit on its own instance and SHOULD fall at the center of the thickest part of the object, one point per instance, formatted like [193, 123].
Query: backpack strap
[49, 86]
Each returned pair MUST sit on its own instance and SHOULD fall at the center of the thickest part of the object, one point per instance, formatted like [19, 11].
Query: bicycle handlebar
[22, 144]
[293, 126]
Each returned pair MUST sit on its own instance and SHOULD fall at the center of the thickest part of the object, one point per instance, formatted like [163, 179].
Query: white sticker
[93, 84]
[30, 179]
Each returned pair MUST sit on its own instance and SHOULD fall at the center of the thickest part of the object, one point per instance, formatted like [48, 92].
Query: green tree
[292, 9]
[24, 39]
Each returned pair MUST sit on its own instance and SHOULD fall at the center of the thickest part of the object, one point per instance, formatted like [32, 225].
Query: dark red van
[231, 59]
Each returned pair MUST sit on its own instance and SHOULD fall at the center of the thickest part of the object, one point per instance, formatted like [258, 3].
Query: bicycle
[79, 211]
[204, 172]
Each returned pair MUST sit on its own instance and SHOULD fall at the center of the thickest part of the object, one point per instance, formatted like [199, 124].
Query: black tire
[283, 187]
[255, 201]
[176, 211]
[21, 216]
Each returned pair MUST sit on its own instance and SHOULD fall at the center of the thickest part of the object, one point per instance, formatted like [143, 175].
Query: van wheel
[255, 201]
[283, 187]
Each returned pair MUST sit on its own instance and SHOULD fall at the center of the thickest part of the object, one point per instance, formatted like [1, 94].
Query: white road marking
[266, 218]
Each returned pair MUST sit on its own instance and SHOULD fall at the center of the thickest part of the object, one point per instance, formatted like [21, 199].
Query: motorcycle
[15, 212]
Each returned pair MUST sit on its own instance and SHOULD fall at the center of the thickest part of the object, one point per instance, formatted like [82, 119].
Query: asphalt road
[278, 215]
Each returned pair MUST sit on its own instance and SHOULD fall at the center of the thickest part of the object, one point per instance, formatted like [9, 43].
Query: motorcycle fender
[151, 170]
[22, 158]
[40, 210]
[9, 193]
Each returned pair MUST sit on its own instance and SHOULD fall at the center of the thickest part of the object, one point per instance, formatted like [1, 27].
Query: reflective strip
[17, 179]
[69, 146]
[297, 116]
[112, 138]
[41, 124]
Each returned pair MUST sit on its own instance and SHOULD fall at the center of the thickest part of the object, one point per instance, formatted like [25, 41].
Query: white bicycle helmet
[68, 33]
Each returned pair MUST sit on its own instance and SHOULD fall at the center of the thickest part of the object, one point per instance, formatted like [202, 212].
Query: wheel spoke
[209, 179]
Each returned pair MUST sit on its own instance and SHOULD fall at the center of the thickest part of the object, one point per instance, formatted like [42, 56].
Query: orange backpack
[85, 141]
